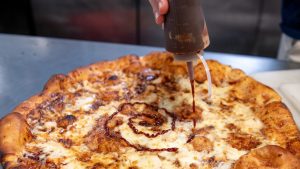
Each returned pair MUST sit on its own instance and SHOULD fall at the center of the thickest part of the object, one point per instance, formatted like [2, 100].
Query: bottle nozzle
[186, 57]
[190, 70]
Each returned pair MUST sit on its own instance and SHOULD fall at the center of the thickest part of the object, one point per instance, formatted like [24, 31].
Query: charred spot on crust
[200, 132]
[128, 94]
[34, 157]
[79, 93]
[193, 166]
[151, 120]
[93, 78]
[21, 166]
[294, 147]
[109, 79]
[242, 141]
[54, 104]
[115, 122]
[203, 131]
[110, 96]
[58, 102]
[185, 112]
[201, 143]
[126, 109]
[96, 105]
[84, 157]
[99, 141]
[34, 114]
[51, 165]
[212, 161]
[232, 127]
[70, 118]
[172, 98]
[148, 75]
[99, 166]
[66, 121]
[31, 158]
[113, 77]
[140, 88]
[177, 163]
[130, 64]
[133, 167]
[67, 143]
[169, 84]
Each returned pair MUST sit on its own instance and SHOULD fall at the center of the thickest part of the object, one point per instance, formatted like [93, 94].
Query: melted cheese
[85, 102]
[241, 115]
[167, 140]
[85, 123]
[246, 119]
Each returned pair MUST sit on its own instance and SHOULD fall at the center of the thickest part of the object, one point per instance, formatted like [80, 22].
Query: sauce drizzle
[193, 94]
[136, 131]
[111, 134]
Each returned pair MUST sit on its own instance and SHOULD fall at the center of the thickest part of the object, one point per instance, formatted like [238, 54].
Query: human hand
[160, 8]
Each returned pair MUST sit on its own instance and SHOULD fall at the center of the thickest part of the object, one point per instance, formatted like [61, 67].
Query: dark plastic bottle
[185, 28]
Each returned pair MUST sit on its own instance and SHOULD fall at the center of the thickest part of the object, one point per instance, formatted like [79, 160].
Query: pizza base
[268, 157]
[278, 121]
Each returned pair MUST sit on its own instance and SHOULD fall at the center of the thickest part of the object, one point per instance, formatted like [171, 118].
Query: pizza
[136, 112]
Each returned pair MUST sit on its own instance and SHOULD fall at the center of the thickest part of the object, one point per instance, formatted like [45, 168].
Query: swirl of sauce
[157, 122]
[147, 119]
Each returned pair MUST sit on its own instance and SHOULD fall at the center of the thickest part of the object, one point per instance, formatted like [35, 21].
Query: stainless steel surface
[26, 63]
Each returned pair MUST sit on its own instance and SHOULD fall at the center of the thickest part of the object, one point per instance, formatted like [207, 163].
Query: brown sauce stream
[193, 94]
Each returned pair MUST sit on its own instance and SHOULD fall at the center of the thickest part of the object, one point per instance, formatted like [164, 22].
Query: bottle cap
[186, 57]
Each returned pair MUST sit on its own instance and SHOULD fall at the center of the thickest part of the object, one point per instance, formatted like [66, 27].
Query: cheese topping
[76, 138]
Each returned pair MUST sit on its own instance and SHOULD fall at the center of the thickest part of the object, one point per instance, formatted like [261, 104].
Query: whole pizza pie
[136, 112]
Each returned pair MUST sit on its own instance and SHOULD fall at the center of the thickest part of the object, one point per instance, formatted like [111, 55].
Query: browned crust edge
[60, 81]
[14, 130]
[269, 156]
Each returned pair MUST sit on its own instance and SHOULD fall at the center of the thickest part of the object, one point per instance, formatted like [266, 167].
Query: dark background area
[235, 26]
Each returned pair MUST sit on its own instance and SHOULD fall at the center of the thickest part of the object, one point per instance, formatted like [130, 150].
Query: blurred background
[235, 26]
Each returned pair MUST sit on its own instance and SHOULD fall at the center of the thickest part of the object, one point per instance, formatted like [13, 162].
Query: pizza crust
[268, 157]
[14, 133]
[279, 124]
[14, 130]
[251, 91]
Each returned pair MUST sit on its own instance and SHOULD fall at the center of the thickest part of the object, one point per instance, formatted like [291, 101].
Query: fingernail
[156, 15]
[160, 4]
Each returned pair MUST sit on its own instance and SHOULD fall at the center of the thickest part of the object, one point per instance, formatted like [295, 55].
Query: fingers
[163, 6]
[159, 19]
[154, 5]
[160, 8]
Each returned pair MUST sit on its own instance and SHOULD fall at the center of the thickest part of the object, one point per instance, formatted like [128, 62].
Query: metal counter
[26, 63]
